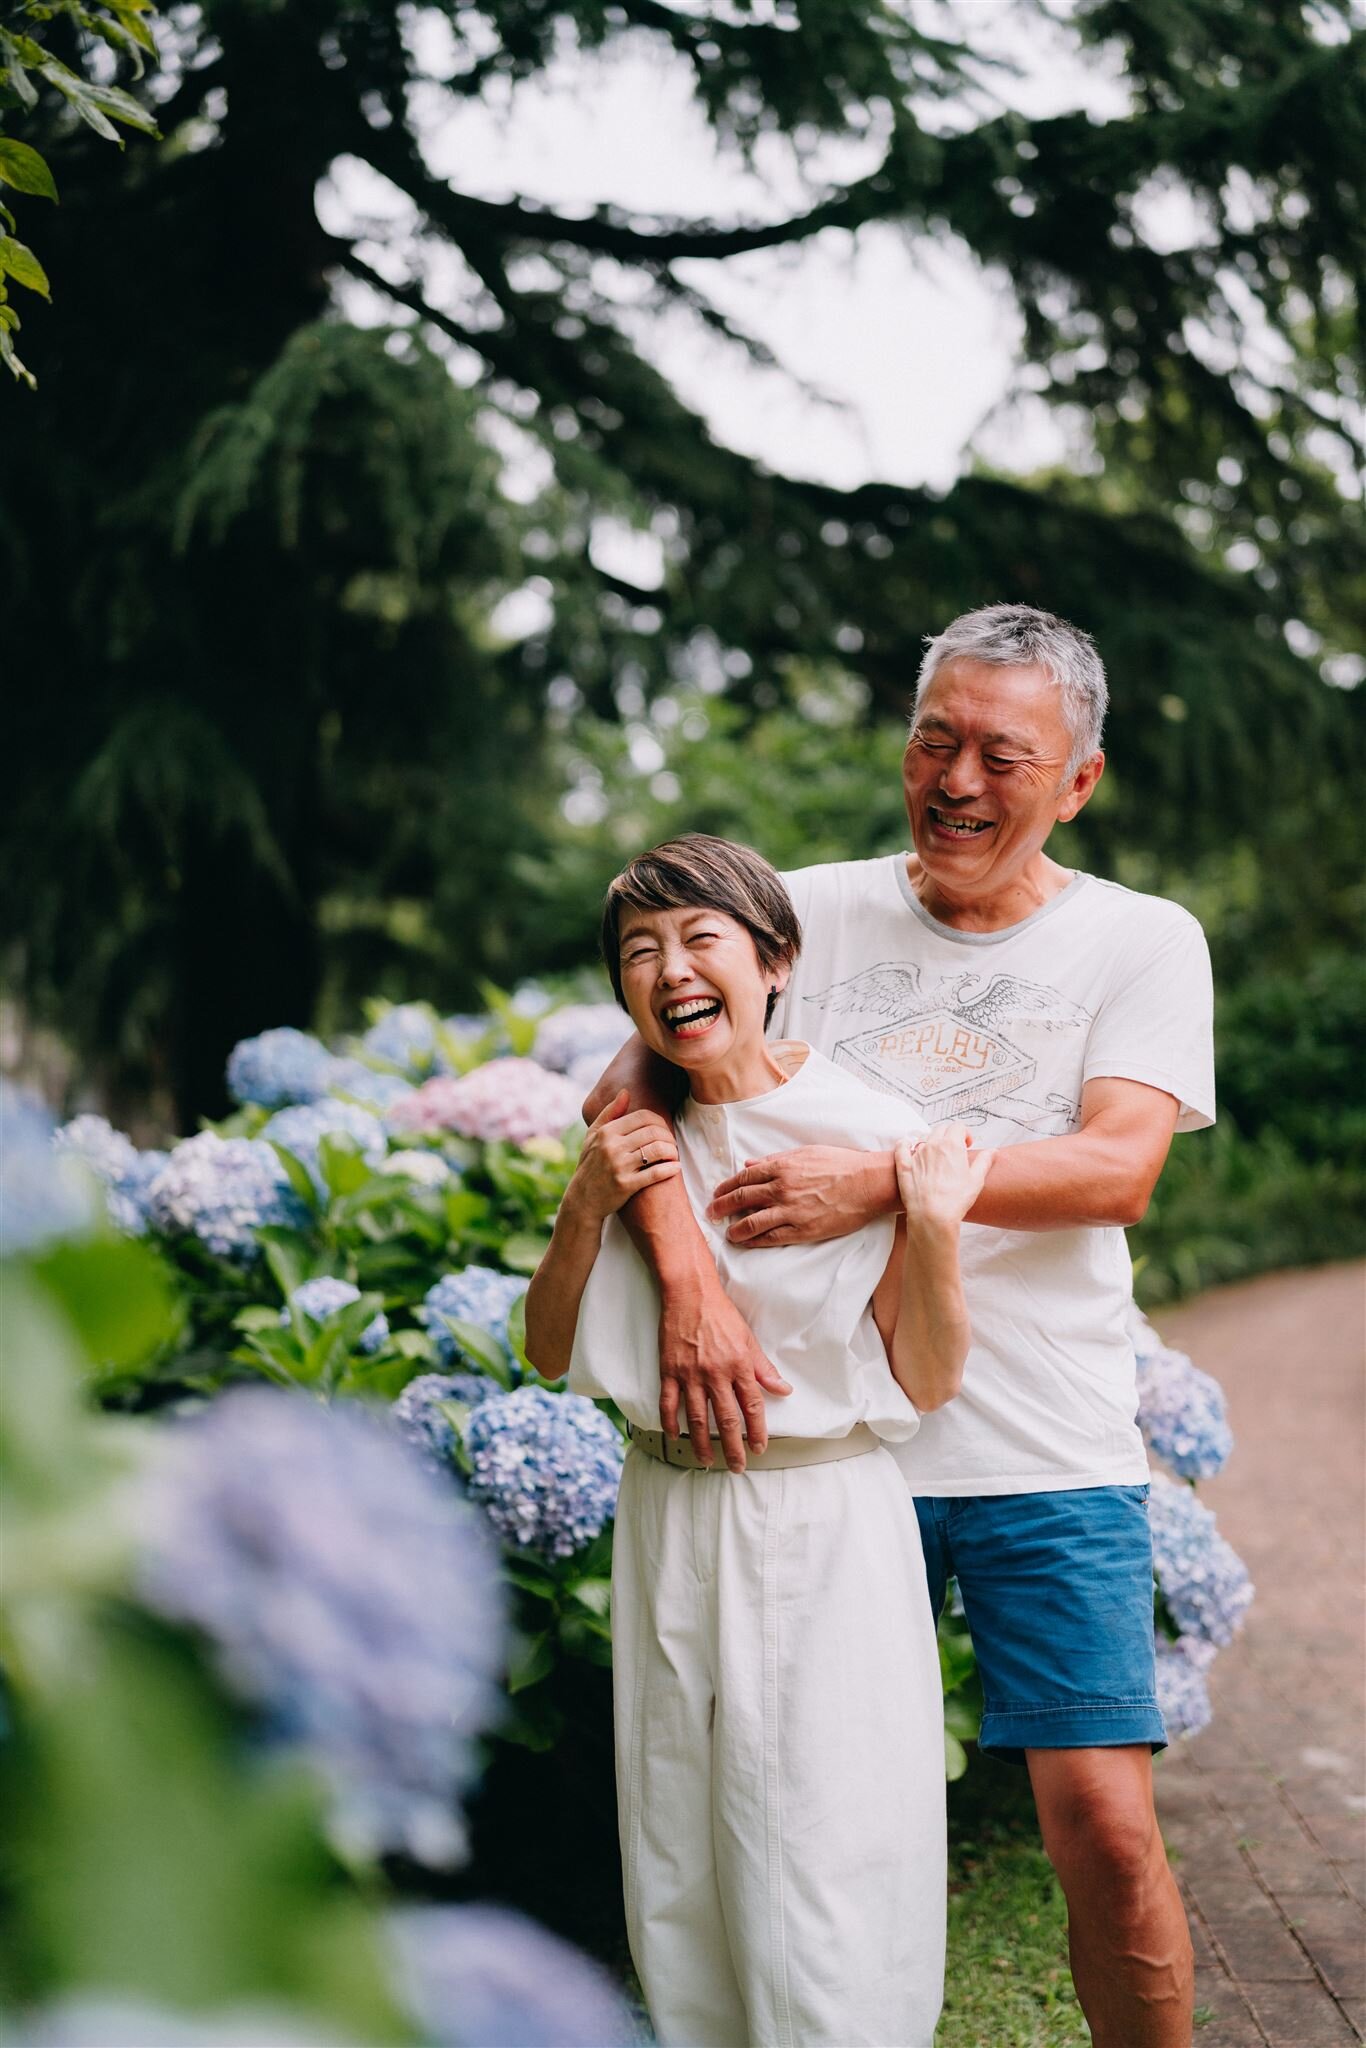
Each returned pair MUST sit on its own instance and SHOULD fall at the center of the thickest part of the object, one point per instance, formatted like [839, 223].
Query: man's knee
[1100, 1831]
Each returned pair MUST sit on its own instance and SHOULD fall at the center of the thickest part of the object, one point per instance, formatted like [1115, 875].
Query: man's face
[985, 774]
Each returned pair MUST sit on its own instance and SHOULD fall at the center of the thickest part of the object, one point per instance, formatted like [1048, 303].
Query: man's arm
[708, 1359]
[1103, 1174]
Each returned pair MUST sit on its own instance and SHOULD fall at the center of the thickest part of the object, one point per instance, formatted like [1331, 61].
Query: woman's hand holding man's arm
[709, 1363]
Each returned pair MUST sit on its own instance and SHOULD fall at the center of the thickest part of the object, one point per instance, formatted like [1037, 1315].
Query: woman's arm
[919, 1306]
[625, 1150]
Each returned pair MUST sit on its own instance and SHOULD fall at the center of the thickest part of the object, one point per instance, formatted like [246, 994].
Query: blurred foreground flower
[321, 1298]
[513, 1099]
[482, 1977]
[44, 1194]
[277, 1067]
[1202, 1578]
[115, 2022]
[1182, 1685]
[348, 1594]
[222, 1191]
[546, 1466]
[479, 1296]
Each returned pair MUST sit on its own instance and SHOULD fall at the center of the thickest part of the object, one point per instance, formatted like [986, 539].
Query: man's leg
[1058, 1593]
[1126, 1929]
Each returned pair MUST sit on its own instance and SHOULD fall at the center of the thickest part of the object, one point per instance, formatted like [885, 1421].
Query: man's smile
[960, 827]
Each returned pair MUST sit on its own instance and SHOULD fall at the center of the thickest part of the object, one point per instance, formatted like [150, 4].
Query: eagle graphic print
[959, 1046]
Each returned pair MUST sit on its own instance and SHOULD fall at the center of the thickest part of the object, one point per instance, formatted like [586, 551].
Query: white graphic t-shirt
[1001, 1030]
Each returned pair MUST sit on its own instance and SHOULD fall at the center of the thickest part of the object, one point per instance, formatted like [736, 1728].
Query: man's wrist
[883, 1195]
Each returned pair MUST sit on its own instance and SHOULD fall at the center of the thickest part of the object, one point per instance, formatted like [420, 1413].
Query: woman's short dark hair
[700, 871]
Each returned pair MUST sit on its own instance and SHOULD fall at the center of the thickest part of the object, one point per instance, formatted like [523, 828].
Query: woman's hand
[625, 1150]
[940, 1176]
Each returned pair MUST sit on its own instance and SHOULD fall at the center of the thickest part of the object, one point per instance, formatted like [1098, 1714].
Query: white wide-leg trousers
[780, 1756]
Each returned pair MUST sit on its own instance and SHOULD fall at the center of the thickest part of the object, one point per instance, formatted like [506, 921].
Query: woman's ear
[779, 976]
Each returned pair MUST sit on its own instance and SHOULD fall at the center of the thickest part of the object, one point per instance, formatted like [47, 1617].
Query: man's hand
[806, 1196]
[709, 1361]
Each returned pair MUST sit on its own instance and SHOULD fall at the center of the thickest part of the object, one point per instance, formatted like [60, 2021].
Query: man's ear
[1079, 789]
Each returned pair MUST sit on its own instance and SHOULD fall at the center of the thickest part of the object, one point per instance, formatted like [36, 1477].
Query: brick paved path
[1265, 1813]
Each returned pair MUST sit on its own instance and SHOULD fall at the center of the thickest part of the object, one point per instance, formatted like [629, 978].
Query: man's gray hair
[1018, 636]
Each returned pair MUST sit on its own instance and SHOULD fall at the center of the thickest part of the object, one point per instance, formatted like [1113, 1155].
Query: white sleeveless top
[809, 1305]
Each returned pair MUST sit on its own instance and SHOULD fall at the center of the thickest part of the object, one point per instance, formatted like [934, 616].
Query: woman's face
[694, 984]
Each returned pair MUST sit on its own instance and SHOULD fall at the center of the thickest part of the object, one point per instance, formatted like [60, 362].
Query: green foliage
[144, 1853]
[26, 57]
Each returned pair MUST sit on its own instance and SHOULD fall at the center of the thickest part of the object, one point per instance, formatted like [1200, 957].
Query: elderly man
[1068, 1021]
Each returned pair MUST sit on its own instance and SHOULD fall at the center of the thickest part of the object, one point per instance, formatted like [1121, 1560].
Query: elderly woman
[778, 1719]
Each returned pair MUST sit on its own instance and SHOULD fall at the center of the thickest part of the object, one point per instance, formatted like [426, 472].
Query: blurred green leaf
[24, 169]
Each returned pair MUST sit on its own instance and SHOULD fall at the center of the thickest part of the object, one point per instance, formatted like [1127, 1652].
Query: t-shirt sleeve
[799, 883]
[1157, 1023]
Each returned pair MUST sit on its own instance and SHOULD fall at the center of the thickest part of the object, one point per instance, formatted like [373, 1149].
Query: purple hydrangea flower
[318, 1299]
[45, 1193]
[1183, 1414]
[348, 1594]
[222, 1191]
[1182, 1687]
[302, 1128]
[581, 1032]
[419, 1413]
[513, 1099]
[1203, 1580]
[547, 1468]
[277, 1067]
[477, 1295]
[483, 1977]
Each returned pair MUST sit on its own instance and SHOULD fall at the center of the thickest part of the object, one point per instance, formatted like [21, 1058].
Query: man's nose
[963, 776]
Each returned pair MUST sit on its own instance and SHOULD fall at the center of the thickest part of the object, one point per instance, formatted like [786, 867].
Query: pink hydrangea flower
[513, 1099]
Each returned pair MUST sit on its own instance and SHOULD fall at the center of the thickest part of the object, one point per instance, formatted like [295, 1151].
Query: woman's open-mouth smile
[691, 1016]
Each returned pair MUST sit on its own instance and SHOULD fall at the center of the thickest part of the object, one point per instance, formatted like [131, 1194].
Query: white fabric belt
[782, 1453]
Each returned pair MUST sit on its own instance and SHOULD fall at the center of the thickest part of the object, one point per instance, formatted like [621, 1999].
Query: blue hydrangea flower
[581, 1032]
[546, 1466]
[375, 1090]
[348, 1594]
[406, 1035]
[318, 1299]
[124, 1173]
[477, 1295]
[302, 1128]
[1182, 1687]
[483, 1977]
[45, 1194]
[223, 1190]
[277, 1067]
[1182, 1414]
[418, 1411]
[1203, 1580]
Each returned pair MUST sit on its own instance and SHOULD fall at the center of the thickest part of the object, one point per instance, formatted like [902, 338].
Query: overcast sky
[896, 350]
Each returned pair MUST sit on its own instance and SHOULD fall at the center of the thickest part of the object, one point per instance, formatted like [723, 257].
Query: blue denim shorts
[1057, 1590]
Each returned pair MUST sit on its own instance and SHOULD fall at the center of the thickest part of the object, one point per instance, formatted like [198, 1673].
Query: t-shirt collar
[960, 938]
